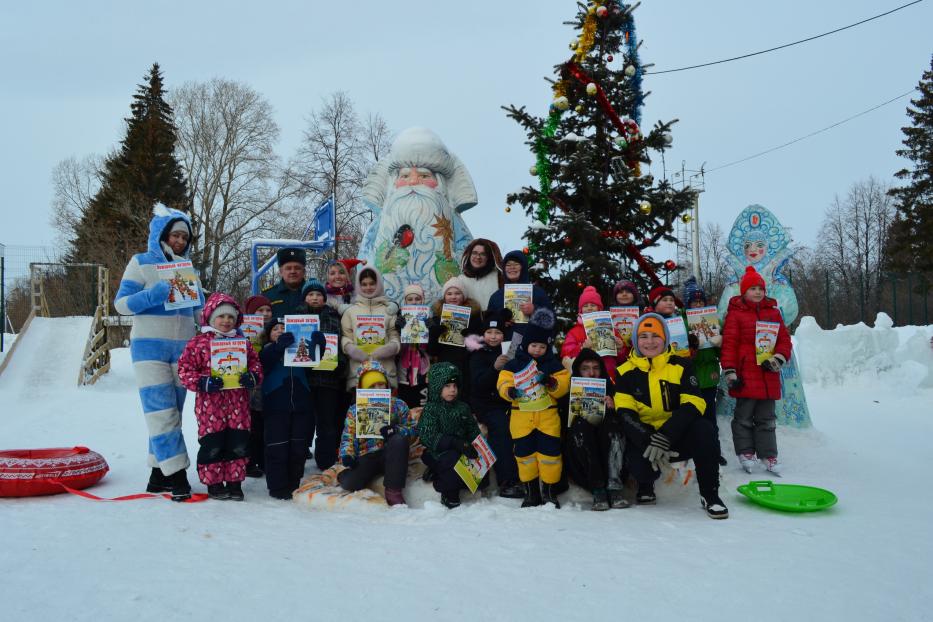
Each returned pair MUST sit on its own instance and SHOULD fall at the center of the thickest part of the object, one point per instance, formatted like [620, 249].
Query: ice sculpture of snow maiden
[417, 194]
[758, 239]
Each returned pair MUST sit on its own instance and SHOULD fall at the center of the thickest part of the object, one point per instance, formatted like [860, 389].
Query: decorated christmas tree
[595, 212]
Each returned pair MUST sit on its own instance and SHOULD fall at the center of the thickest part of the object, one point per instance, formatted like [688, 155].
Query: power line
[797, 140]
[786, 45]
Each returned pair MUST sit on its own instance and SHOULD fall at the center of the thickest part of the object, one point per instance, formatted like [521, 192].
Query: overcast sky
[68, 71]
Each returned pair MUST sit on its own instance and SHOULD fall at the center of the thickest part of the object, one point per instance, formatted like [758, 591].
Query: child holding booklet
[370, 301]
[625, 294]
[325, 384]
[535, 423]
[287, 413]
[223, 415]
[257, 305]
[753, 373]
[515, 272]
[661, 300]
[447, 430]
[577, 338]
[442, 339]
[413, 361]
[367, 458]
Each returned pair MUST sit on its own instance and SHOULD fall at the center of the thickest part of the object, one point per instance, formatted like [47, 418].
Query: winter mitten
[387, 430]
[285, 340]
[693, 342]
[550, 383]
[209, 384]
[467, 449]
[386, 352]
[773, 364]
[158, 293]
[658, 452]
[514, 393]
[348, 461]
[355, 353]
[248, 380]
[732, 380]
[319, 342]
[716, 341]
[436, 331]
[400, 322]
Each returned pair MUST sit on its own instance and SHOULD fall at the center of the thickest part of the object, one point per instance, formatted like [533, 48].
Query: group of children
[267, 426]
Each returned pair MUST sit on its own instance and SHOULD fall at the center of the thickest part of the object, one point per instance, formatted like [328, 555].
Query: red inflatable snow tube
[31, 472]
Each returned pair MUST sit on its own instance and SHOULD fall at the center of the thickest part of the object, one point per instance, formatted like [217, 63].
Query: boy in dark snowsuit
[593, 450]
[486, 361]
[447, 430]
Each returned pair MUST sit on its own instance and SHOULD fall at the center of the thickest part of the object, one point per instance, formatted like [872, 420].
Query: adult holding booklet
[368, 327]
[157, 340]
[518, 286]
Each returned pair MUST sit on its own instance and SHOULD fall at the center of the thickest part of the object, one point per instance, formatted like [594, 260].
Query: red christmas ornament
[580, 284]
[568, 241]
[525, 250]
[609, 58]
[670, 265]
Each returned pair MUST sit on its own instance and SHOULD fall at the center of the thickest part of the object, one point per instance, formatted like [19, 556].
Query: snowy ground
[68, 558]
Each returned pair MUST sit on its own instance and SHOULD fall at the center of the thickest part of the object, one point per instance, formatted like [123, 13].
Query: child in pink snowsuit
[223, 415]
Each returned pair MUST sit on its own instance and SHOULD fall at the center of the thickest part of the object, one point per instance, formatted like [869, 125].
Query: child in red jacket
[223, 415]
[576, 339]
[755, 345]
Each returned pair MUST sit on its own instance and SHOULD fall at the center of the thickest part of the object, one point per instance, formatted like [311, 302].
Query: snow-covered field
[66, 558]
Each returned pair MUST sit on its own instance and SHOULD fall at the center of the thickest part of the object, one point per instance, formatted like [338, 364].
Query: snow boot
[181, 489]
[451, 499]
[600, 500]
[748, 461]
[394, 496]
[235, 491]
[774, 466]
[512, 490]
[616, 500]
[283, 494]
[253, 470]
[723, 461]
[714, 506]
[549, 494]
[158, 482]
[532, 494]
[218, 492]
[645, 495]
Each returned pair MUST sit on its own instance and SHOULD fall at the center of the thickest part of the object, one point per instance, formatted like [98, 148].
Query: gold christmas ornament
[645, 207]
[533, 169]
[561, 103]
[686, 218]
[591, 89]
[507, 209]
[630, 70]
[579, 108]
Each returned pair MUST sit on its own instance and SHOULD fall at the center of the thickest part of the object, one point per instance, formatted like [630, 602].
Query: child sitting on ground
[223, 415]
[367, 458]
[447, 430]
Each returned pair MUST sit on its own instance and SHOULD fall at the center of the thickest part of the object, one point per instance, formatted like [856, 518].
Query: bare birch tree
[74, 184]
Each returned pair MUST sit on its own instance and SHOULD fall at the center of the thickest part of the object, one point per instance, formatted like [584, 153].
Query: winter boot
[600, 500]
[645, 494]
[394, 496]
[748, 461]
[158, 482]
[616, 500]
[774, 466]
[253, 470]
[451, 499]
[723, 461]
[512, 490]
[218, 492]
[235, 491]
[181, 489]
[549, 494]
[714, 506]
[283, 494]
[532, 494]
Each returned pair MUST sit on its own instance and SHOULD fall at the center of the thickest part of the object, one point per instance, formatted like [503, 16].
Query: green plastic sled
[788, 497]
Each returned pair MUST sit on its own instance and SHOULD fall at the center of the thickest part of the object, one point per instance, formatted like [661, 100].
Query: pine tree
[912, 231]
[594, 212]
[143, 171]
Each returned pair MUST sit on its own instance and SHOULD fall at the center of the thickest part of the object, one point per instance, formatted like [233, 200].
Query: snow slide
[47, 357]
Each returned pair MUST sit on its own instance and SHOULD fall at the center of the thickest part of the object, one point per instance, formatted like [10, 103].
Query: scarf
[211, 329]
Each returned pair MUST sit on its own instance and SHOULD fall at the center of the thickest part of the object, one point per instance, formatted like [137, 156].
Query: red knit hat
[750, 279]
[351, 263]
[658, 292]
[589, 295]
[254, 302]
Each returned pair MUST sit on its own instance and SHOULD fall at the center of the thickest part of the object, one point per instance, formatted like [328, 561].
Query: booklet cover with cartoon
[185, 287]
[704, 323]
[598, 327]
[514, 296]
[766, 334]
[587, 399]
[416, 323]
[373, 411]
[473, 470]
[370, 332]
[455, 318]
[529, 383]
[228, 360]
[252, 328]
[623, 321]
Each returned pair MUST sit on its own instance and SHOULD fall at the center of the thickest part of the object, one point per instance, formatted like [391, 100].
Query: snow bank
[901, 357]
[8, 339]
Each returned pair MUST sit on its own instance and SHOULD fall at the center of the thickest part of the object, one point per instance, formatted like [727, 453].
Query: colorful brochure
[704, 323]
[252, 328]
[185, 287]
[766, 334]
[473, 470]
[529, 383]
[302, 327]
[515, 295]
[416, 323]
[373, 412]
[228, 360]
[623, 321]
[587, 399]
[456, 319]
[370, 332]
[678, 331]
[598, 327]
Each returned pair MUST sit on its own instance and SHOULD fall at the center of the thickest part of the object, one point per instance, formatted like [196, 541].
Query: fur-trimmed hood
[162, 220]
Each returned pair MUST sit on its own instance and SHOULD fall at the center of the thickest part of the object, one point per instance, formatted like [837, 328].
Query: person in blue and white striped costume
[156, 341]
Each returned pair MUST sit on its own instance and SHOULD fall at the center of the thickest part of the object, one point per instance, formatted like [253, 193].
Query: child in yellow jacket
[533, 382]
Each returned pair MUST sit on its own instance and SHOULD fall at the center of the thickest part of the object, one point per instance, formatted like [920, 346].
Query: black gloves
[285, 340]
[248, 380]
[210, 385]
[400, 322]
[319, 342]
[693, 341]
[388, 430]
[732, 380]
[550, 383]
[467, 449]
[772, 364]
[514, 393]
[348, 461]
[436, 331]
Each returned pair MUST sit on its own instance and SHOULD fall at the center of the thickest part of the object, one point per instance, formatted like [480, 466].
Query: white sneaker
[774, 466]
[748, 462]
